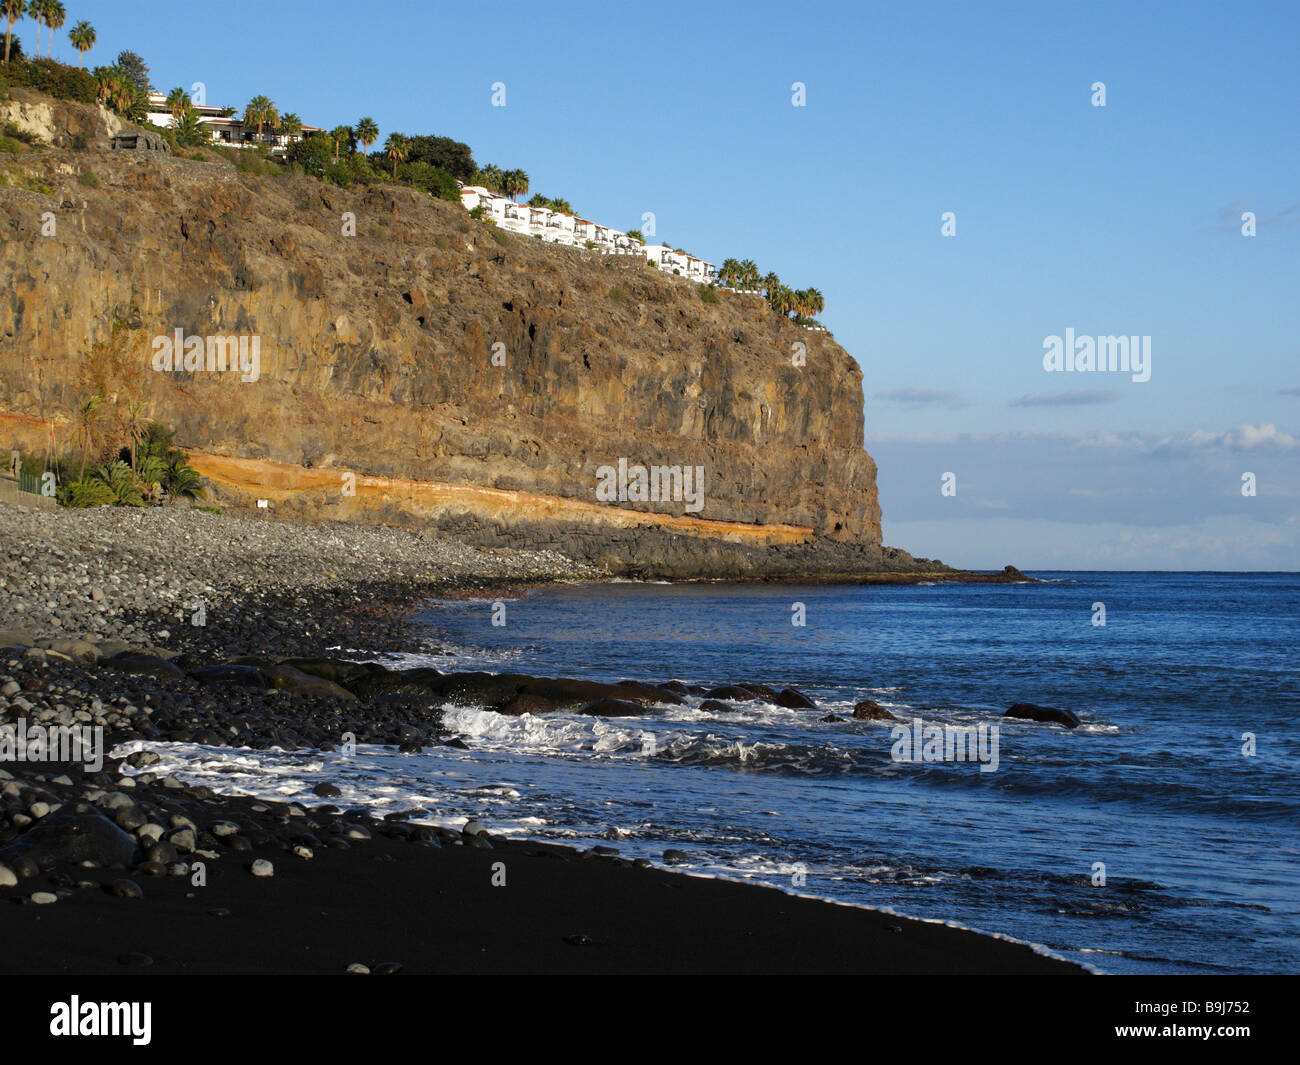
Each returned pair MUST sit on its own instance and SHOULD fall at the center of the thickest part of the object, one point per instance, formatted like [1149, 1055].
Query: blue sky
[1123, 219]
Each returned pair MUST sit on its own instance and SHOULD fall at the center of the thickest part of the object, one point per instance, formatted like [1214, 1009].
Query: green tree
[450, 155]
[55, 16]
[396, 148]
[82, 36]
[340, 135]
[136, 69]
[291, 126]
[367, 133]
[177, 101]
[36, 8]
[191, 129]
[516, 183]
[135, 425]
[491, 177]
[261, 112]
[14, 10]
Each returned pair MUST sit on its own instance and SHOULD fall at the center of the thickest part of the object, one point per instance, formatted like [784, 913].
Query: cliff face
[381, 352]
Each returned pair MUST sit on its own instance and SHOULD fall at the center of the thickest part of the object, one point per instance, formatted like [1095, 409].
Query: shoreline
[558, 910]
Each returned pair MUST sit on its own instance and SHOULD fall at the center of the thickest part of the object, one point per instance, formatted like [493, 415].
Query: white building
[226, 129]
[560, 227]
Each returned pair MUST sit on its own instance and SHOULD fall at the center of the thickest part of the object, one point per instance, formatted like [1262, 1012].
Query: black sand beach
[344, 890]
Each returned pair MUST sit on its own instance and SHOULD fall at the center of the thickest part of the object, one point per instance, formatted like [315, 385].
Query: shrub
[8, 144]
[338, 174]
[314, 154]
[432, 179]
[55, 78]
[618, 294]
[88, 178]
[498, 236]
[709, 294]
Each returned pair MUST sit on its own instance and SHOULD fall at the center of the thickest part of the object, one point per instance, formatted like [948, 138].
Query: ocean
[1161, 836]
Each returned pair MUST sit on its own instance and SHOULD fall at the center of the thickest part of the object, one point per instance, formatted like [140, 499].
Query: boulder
[734, 692]
[1046, 714]
[244, 676]
[870, 710]
[69, 839]
[717, 706]
[142, 664]
[287, 678]
[793, 699]
[526, 704]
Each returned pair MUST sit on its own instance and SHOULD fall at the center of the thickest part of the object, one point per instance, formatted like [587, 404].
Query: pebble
[44, 898]
[261, 867]
[127, 889]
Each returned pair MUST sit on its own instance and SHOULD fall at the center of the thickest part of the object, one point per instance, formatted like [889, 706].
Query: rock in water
[1046, 714]
[69, 839]
[870, 710]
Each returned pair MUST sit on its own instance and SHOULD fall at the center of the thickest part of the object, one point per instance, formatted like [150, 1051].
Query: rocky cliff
[415, 365]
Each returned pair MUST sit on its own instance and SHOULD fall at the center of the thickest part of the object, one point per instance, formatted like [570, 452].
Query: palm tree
[125, 92]
[729, 272]
[491, 177]
[516, 183]
[88, 427]
[120, 479]
[135, 425]
[340, 134]
[290, 126]
[749, 273]
[261, 112]
[182, 479]
[191, 129]
[37, 10]
[14, 10]
[177, 101]
[396, 148]
[82, 36]
[367, 133]
[816, 302]
[55, 15]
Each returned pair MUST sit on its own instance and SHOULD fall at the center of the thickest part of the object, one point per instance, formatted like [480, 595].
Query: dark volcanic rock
[734, 692]
[717, 706]
[526, 704]
[248, 676]
[793, 699]
[1046, 714]
[69, 839]
[144, 665]
[870, 710]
